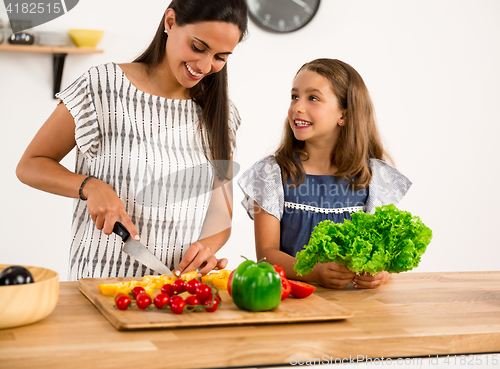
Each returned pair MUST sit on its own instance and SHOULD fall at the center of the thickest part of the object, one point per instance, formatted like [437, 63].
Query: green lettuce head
[390, 240]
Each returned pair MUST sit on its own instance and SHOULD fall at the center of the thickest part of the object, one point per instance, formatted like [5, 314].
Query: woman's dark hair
[359, 138]
[211, 93]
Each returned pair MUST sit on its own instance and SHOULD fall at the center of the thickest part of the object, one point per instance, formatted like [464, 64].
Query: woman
[154, 143]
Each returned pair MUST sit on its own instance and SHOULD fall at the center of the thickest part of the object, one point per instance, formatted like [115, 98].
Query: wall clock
[282, 16]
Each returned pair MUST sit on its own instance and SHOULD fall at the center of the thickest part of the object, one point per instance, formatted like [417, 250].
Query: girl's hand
[106, 208]
[371, 281]
[333, 275]
[199, 256]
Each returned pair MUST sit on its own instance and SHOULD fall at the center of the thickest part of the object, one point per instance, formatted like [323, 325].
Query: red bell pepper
[286, 287]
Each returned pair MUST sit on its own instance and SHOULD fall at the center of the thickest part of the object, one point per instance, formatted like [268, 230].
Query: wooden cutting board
[291, 310]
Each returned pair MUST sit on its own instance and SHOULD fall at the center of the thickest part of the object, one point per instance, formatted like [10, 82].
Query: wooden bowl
[23, 304]
[88, 38]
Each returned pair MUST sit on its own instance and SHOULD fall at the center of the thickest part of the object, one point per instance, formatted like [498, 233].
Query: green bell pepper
[256, 286]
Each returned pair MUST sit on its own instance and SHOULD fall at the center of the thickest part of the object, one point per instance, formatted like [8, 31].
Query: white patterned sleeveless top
[148, 148]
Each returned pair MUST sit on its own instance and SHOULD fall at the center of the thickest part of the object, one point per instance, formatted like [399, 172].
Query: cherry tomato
[280, 271]
[177, 306]
[179, 286]
[192, 300]
[191, 286]
[161, 300]
[143, 300]
[168, 289]
[122, 301]
[137, 290]
[217, 297]
[301, 289]
[286, 288]
[203, 292]
[230, 282]
[119, 294]
[175, 298]
[211, 305]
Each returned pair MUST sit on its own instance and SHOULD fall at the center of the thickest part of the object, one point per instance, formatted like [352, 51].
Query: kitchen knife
[140, 252]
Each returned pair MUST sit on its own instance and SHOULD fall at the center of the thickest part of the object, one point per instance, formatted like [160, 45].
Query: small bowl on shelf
[52, 38]
[22, 304]
[88, 38]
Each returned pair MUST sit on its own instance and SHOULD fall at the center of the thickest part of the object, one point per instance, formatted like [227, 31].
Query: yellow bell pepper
[224, 273]
[149, 288]
[112, 289]
[219, 283]
[189, 275]
[218, 279]
[150, 283]
[108, 289]
[157, 280]
[206, 278]
[124, 287]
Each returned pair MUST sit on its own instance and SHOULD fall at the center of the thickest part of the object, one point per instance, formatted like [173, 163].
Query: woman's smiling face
[196, 50]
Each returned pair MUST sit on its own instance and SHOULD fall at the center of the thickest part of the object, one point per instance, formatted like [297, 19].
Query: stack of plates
[52, 38]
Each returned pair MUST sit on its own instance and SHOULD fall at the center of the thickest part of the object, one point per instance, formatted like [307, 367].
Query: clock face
[282, 15]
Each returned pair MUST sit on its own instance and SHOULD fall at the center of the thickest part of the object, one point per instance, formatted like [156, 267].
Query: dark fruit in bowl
[15, 274]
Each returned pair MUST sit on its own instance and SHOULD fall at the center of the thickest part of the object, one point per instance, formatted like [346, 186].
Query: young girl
[149, 137]
[328, 166]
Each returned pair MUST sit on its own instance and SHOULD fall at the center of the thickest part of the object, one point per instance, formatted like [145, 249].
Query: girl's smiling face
[314, 114]
[194, 51]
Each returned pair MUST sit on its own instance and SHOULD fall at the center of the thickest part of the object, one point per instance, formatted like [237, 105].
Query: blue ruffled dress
[318, 198]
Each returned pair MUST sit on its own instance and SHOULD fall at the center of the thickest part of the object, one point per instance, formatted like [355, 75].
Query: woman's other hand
[199, 256]
[366, 280]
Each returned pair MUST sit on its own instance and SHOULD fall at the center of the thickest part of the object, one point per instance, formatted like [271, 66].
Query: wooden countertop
[414, 314]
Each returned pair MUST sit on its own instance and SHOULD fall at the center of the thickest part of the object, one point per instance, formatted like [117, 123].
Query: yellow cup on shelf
[88, 38]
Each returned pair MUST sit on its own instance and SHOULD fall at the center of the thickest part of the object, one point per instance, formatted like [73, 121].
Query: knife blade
[140, 252]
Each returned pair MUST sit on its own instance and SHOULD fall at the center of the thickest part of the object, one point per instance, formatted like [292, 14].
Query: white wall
[432, 68]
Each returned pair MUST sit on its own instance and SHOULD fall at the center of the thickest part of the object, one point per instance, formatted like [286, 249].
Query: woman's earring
[341, 123]
[165, 30]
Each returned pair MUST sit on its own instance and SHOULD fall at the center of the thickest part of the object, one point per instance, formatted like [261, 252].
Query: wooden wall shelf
[59, 54]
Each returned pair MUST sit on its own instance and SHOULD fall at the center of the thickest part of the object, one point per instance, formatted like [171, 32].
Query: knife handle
[121, 231]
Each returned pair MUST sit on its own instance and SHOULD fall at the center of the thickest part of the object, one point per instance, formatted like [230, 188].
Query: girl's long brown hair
[211, 93]
[359, 139]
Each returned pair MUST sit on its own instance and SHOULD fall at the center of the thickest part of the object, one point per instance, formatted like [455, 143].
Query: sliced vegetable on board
[230, 282]
[152, 282]
[218, 279]
[301, 289]
[286, 287]
[141, 294]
